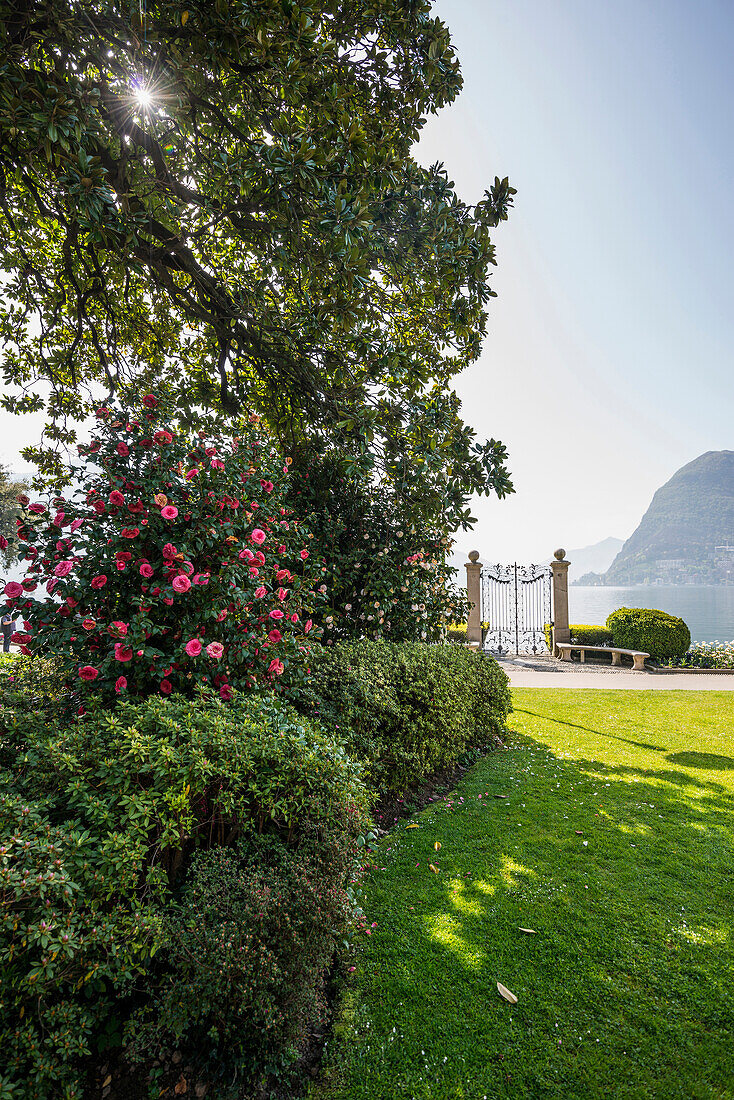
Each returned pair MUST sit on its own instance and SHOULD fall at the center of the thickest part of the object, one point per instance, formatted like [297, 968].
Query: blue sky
[608, 364]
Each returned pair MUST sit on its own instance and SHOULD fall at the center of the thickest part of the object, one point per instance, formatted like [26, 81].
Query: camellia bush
[175, 564]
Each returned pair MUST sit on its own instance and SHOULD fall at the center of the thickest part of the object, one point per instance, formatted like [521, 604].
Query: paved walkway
[549, 673]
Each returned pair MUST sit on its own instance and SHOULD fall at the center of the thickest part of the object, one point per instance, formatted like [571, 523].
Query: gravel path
[549, 672]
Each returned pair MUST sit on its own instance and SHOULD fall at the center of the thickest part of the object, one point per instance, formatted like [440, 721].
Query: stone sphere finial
[559, 555]
[474, 555]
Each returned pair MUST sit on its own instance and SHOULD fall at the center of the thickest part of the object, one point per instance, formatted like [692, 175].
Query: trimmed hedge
[100, 817]
[655, 632]
[409, 709]
[583, 634]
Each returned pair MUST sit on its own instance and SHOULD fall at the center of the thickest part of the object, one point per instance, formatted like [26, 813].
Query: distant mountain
[688, 518]
[591, 559]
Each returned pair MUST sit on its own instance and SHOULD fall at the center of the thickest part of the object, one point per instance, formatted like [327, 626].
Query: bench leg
[639, 664]
[583, 656]
[565, 654]
[616, 658]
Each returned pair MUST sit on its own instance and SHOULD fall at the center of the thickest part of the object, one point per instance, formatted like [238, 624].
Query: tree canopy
[219, 195]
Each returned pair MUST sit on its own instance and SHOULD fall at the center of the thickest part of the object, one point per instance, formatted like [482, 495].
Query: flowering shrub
[176, 564]
[386, 577]
[705, 655]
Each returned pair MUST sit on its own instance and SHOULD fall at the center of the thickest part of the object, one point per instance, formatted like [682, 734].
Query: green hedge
[100, 818]
[654, 632]
[407, 709]
[583, 634]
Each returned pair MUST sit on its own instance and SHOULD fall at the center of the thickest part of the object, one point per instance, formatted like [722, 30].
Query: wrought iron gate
[516, 605]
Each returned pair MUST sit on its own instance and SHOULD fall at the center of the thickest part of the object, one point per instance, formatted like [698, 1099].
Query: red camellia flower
[59, 519]
[99, 506]
[120, 684]
[118, 629]
[146, 570]
[276, 613]
[88, 672]
[163, 437]
[37, 509]
[123, 652]
[225, 692]
[276, 667]
[116, 498]
[169, 512]
[150, 401]
[260, 592]
[166, 687]
[275, 636]
[3, 542]
[130, 532]
[169, 551]
[304, 554]
[99, 582]
[88, 624]
[122, 449]
[63, 568]
[13, 590]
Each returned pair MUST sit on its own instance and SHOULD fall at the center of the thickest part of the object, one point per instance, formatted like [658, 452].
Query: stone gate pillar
[559, 569]
[473, 591]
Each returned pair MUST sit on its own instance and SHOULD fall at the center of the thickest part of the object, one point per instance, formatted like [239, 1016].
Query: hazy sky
[607, 365]
[608, 361]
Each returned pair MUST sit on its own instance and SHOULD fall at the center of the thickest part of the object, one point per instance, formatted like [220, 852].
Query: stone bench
[638, 657]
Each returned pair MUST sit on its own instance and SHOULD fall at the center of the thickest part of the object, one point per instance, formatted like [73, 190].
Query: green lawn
[615, 845]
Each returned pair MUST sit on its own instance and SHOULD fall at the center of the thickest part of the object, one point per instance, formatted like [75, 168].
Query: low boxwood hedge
[654, 632]
[583, 634]
[409, 709]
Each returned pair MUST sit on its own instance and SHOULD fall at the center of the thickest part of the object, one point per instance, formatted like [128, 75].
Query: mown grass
[626, 989]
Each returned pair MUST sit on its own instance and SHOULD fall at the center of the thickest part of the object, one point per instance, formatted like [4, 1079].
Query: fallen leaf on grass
[437, 845]
[579, 832]
[530, 931]
[434, 869]
[504, 992]
[502, 796]
[413, 826]
[181, 1087]
[107, 1081]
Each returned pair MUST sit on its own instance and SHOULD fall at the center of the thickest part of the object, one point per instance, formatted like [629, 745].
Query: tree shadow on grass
[708, 760]
[588, 729]
[622, 991]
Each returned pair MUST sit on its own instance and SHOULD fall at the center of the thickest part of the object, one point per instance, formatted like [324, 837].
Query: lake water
[707, 609]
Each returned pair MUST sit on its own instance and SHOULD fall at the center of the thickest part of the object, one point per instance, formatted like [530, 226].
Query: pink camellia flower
[215, 649]
[193, 647]
[275, 636]
[88, 672]
[37, 509]
[123, 652]
[71, 601]
[150, 401]
[191, 474]
[163, 437]
[3, 542]
[225, 693]
[118, 629]
[181, 584]
[294, 618]
[304, 554]
[99, 506]
[146, 570]
[63, 568]
[260, 592]
[276, 667]
[99, 582]
[121, 565]
[282, 593]
[166, 687]
[217, 464]
[58, 519]
[267, 485]
[88, 624]
[276, 613]
[201, 578]
[169, 551]
[116, 498]
[253, 571]
[168, 600]
[13, 589]
[258, 536]
[283, 575]
[76, 524]
[51, 584]
[122, 449]
[120, 684]
[260, 557]
[187, 568]
[222, 616]
[246, 554]
[169, 512]
[137, 507]
[307, 627]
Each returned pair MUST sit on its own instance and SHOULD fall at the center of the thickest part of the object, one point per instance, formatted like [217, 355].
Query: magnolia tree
[175, 564]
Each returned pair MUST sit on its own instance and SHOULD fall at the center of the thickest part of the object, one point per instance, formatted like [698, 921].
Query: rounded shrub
[407, 710]
[654, 632]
